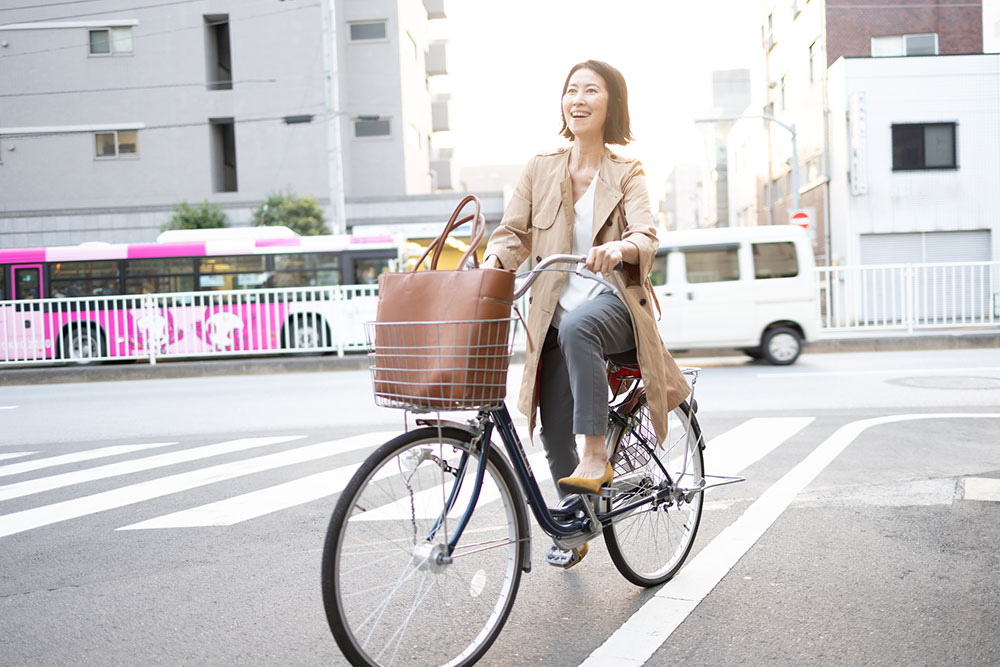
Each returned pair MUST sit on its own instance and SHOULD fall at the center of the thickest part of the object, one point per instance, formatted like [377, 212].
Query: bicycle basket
[457, 365]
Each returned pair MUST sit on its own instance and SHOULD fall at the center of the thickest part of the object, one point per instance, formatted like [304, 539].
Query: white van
[752, 288]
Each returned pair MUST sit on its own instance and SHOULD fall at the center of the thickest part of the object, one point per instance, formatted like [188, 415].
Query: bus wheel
[306, 332]
[781, 346]
[83, 344]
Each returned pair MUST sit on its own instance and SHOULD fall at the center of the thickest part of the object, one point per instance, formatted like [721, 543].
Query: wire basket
[455, 365]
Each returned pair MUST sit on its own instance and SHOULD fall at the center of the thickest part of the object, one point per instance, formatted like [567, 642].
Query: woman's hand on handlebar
[606, 258]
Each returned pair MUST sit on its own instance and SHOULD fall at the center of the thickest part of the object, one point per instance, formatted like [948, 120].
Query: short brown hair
[617, 126]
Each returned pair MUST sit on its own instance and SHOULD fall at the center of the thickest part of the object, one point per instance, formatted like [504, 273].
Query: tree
[199, 216]
[300, 214]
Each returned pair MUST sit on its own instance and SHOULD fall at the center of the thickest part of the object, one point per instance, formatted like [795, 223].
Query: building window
[924, 146]
[110, 41]
[223, 152]
[368, 30]
[371, 128]
[219, 63]
[905, 45]
[116, 143]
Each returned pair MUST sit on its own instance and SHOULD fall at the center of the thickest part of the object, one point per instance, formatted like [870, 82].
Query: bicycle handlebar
[545, 265]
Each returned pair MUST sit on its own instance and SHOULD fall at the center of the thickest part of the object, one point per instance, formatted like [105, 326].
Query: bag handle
[475, 235]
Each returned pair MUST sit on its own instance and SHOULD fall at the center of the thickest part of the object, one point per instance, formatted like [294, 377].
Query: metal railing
[908, 297]
[184, 325]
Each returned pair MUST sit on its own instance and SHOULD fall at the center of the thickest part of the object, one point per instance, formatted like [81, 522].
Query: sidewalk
[138, 370]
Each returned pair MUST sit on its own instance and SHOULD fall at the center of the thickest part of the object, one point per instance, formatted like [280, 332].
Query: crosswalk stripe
[135, 493]
[740, 447]
[272, 499]
[75, 457]
[125, 467]
[14, 455]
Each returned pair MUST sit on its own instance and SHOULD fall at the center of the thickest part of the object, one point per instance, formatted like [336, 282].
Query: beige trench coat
[539, 221]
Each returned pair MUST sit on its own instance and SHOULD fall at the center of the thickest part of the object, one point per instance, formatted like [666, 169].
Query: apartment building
[800, 40]
[114, 112]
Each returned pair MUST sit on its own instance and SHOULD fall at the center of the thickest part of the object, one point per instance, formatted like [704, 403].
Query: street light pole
[335, 154]
[795, 147]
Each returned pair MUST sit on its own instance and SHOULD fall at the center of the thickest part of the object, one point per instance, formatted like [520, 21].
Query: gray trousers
[573, 381]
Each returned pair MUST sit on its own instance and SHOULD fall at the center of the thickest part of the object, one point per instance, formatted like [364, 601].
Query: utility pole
[335, 154]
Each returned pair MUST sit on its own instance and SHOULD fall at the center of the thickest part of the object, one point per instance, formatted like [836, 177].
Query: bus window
[307, 269]
[232, 272]
[69, 279]
[27, 284]
[775, 260]
[710, 265]
[366, 271]
[3, 283]
[159, 275]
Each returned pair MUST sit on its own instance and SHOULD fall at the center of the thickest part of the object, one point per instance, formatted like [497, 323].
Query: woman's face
[585, 104]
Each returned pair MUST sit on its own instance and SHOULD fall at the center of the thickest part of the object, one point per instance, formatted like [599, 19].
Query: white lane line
[9, 407]
[881, 371]
[76, 457]
[741, 447]
[14, 455]
[125, 467]
[272, 499]
[981, 488]
[642, 634]
[136, 493]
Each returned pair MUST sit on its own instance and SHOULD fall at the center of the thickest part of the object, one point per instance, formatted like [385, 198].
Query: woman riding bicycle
[586, 200]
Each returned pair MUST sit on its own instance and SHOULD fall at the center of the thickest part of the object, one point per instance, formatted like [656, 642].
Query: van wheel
[781, 346]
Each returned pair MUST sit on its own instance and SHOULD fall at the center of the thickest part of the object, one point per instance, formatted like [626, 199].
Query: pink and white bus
[191, 294]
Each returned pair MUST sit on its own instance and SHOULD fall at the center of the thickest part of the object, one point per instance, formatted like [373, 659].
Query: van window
[775, 260]
[711, 265]
[658, 274]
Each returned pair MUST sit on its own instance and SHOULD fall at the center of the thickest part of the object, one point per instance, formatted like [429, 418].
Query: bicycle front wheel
[392, 593]
[649, 544]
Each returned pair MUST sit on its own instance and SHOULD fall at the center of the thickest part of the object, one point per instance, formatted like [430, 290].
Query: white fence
[185, 325]
[908, 297]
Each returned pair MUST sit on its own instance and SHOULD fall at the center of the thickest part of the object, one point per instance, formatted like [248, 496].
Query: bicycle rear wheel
[391, 594]
[649, 544]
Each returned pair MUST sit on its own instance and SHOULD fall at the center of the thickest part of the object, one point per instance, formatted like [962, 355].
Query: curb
[173, 369]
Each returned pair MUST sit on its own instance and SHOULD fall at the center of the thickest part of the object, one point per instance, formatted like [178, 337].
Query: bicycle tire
[388, 600]
[650, 544]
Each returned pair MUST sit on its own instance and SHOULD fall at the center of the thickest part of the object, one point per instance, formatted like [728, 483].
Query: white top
[577, 290]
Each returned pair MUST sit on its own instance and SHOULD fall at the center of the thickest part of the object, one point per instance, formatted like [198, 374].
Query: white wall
[961, 89]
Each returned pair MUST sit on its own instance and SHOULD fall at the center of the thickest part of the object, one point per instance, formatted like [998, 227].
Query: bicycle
[426, 546]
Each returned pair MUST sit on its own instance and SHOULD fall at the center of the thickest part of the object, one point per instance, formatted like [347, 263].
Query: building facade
[799, 41]
[111, 116]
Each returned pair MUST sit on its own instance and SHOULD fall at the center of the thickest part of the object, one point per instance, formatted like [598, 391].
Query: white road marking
[265, 501]
[75, 457]
[125, 467]
[982, 488]
[642, 634]
[136, 493]
[9, 407]
[741, 447]
[881, 371]
[14, 455]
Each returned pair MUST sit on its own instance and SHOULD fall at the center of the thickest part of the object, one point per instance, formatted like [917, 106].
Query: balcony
[436, 9]
[440, 114]
[437, 61]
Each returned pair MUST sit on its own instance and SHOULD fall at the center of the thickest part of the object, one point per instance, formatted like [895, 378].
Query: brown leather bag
[441, 337]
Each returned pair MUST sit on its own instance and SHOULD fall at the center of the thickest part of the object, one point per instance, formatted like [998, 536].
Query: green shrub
[200, 216]
[300, 214]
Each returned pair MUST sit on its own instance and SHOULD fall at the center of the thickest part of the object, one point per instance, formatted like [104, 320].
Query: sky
[507, 61]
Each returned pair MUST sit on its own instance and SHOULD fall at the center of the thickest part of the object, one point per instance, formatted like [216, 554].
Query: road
[173, 522]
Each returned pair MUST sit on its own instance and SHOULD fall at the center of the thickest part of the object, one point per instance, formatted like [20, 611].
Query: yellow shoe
[590, 485]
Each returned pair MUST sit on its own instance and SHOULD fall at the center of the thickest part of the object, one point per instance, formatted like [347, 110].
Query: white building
[915, 159]
[111, 115]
